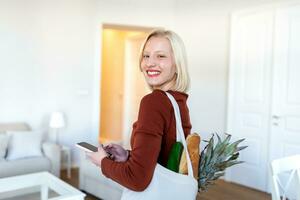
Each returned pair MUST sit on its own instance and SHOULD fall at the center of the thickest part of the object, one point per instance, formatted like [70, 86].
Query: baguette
[193, 145]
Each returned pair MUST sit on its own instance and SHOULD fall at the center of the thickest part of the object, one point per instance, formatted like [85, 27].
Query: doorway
[122, 83]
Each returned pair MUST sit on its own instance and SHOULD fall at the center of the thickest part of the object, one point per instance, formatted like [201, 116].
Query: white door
[285, 126]
[249, 95]
[264, 98]
[135, 86]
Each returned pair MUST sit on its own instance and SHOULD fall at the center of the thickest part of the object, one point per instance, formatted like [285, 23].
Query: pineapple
[214, 159]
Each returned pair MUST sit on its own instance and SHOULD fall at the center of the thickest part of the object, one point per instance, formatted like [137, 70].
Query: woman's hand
[118, 153]
[97, 157]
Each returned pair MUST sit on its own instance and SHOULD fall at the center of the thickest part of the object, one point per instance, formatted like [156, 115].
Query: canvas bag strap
[179, 133]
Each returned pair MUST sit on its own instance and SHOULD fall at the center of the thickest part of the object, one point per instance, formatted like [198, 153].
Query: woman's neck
[168, 85]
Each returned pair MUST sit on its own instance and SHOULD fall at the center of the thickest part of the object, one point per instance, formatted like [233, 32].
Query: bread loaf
[193, 145]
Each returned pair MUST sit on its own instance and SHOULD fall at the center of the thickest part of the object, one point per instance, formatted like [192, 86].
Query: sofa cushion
[14, 127]
[3, 145]
[24, 166]
[23, 144]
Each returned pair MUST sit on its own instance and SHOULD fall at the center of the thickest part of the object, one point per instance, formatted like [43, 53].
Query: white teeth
[153, 73]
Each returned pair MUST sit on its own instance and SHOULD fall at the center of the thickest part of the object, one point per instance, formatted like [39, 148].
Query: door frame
[96, 89]
[129, 95]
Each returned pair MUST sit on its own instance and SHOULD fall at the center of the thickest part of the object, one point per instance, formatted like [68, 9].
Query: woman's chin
[154, 84]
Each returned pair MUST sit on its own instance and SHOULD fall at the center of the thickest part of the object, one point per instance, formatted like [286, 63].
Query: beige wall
[112, 83]
[112, 78]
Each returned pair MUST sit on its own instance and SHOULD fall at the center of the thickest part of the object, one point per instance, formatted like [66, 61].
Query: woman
[163, 63]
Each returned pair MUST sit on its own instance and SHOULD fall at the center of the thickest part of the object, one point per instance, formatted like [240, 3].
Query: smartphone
[87, 147]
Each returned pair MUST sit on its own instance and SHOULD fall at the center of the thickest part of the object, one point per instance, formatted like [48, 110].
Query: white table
[66, 151]
[44, 182]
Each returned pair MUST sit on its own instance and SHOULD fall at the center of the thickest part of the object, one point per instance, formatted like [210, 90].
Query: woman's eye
[145, 56]
[161, 56]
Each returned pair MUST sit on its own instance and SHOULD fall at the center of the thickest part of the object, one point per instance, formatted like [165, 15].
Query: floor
[228, 191]
[220, 191]
[74, 181]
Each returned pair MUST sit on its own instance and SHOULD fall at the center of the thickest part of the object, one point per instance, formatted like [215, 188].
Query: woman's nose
[151, 62]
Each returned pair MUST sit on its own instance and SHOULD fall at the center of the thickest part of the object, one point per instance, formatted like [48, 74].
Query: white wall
[47, 51]
[50, 52]
[207, 49]
[205, 29]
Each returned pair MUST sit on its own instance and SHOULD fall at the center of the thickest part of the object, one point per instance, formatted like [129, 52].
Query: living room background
[50, 56]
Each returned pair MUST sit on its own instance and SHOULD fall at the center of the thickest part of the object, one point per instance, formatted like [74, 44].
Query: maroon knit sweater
[152, 137]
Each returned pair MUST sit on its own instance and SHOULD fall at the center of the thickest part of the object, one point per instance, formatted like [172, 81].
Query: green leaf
[241, 148]
[216, 158]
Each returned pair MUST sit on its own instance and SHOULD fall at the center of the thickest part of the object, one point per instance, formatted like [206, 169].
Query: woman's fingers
[108, 146]
[88, 154]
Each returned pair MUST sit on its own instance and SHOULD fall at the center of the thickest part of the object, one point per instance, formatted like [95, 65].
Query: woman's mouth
[153, 73]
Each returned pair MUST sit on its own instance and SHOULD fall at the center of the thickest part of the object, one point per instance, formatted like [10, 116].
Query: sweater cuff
[105, 165]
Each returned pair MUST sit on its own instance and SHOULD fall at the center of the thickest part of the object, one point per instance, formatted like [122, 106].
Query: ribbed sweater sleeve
[136, 173]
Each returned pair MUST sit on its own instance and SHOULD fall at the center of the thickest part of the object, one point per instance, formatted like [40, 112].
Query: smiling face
[158, 64]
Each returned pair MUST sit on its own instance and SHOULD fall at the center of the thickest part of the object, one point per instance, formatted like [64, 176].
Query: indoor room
[72, 71]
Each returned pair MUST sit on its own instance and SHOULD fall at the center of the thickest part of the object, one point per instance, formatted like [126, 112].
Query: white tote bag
[165, 183]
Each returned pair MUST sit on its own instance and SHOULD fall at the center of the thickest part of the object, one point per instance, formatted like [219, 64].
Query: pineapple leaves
[215, 158]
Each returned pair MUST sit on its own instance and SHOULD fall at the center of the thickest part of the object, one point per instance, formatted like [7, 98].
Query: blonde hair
[182, 83]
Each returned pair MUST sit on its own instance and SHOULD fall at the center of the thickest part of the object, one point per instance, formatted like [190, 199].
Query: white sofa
[91, 180]
[48, 161]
